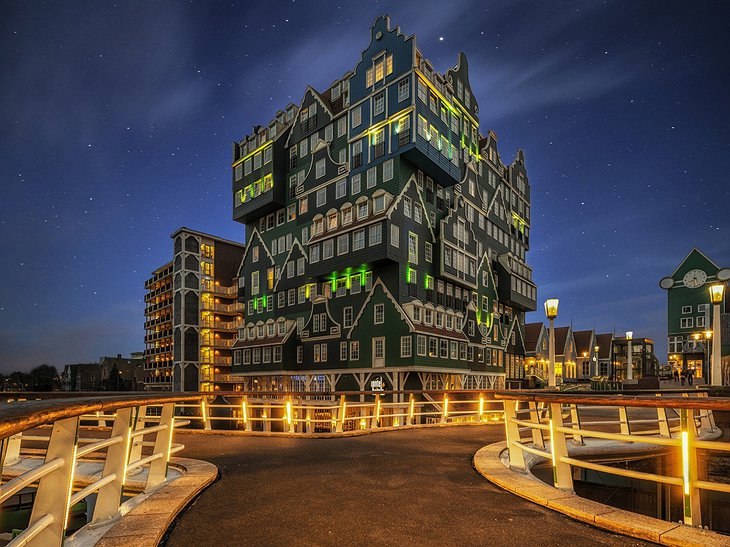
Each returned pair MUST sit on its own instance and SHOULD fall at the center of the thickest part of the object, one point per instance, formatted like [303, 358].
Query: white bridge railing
[555, 423]
[135, 442]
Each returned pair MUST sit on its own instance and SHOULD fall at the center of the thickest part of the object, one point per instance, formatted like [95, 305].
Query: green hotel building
[386, 240]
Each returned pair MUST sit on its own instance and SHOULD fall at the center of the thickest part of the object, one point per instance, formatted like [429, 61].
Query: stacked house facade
[385, 237]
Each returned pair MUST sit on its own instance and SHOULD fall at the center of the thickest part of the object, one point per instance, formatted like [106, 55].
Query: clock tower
[689, 312]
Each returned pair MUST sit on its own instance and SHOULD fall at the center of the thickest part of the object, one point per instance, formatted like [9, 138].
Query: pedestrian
[676, 376]
[682, 376]
[691, 377]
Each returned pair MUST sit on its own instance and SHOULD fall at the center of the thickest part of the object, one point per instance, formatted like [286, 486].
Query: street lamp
[595, 360]
[551, 311]
[706, 370]
[717, 292]
[629, 359]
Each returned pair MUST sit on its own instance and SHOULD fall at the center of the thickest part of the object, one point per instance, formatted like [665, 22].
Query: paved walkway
[411, 487]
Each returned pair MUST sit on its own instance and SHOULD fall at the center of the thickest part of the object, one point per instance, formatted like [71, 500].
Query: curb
[147, 523]
[488, 463]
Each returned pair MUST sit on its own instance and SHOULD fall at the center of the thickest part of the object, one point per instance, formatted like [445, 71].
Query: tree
[44, 378]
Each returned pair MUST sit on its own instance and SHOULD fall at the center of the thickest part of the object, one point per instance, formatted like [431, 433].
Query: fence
[683, 423]
[132, 444]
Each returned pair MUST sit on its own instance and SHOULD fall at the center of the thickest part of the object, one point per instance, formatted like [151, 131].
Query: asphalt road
[410, 487]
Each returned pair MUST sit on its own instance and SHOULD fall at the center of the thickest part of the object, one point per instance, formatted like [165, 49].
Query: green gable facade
[690, 313]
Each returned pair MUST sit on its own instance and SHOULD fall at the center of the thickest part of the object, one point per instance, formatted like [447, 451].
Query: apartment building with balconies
[190, 336]
[158, 329]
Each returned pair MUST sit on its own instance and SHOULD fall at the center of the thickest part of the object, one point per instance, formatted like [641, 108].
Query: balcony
[232, 309]
[209, 286]
[222, 325]
[216, 360]
[219, 342]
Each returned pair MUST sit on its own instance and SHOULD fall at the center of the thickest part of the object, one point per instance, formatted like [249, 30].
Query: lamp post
[551, 311]
[717, 292]
[630, 357]
[706, 370]
[595, 360]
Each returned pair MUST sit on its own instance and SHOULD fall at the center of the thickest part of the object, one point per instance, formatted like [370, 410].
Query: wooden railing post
[54, 489]
[205, 413]
[163, 440]
[117, 458]
[11, 450]
[512, 431]
[624, 420]
[575, 424]
[341, 415]
[537, 438]
[562, 475]
[376, 414]
[135, 452]
[690, 492]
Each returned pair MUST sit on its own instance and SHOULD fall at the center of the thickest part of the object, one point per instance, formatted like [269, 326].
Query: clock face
[666, 283]
[694, 278]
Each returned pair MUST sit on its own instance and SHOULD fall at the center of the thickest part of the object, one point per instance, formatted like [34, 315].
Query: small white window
[320, 168]
[356, 116]
[404, 90]
[371, 177]
[321, 197]
[405, 346]
[388, 170]
[379, 318]
[394, 235]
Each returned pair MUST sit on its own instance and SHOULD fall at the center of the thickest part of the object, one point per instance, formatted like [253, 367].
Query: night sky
[116, 124]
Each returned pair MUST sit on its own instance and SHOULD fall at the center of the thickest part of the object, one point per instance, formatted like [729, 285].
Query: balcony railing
[223, 308]
[219, 342]
[209, 286]
[216, 360]
[222, 325]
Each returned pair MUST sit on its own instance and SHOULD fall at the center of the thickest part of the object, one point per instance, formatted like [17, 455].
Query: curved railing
[684, 423]
[120, 454]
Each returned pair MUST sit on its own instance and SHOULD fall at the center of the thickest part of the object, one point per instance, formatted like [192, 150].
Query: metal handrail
[545, 420]
[55, 477]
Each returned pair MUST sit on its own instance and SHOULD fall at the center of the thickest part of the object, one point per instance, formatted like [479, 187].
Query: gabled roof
[379, 283]
[694, 250]
[288, 256]
[397, 199]
[249, 245]
[532, 335]
[603, 341]
[583, 341]
[561, 337]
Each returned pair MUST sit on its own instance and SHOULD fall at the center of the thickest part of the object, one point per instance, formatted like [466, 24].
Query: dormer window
[379, 204]
[346, 215]
[362, 210]
[332, 220]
